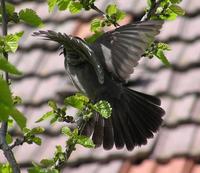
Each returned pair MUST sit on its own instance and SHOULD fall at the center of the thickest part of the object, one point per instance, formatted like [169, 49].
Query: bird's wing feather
[123, 47]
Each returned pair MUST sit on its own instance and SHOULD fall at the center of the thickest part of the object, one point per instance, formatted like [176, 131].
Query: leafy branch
[9, 44]
[4, 125]
[86, 110]
[161, 10]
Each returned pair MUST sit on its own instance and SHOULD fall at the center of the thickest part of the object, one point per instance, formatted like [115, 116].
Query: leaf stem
[4, 125]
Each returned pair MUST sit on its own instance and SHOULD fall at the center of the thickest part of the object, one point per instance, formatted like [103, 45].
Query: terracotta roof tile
[177, 165]
[147, 166]
[178, 88]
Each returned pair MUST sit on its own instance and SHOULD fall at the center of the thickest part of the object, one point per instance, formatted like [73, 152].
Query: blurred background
[176, 148]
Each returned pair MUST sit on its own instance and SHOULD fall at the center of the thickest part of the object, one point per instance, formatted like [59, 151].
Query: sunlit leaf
[163, 46]
[45, 116]
[78, 101]
[37, 169]
[37, 140]
[160, 54]
[104, 108]
[75, 7]
[63, 4]
[5, 168]
[37, 130]
[51, 5]
[47, 162]
[177, 9]
[66, 131]
[111, 9]
[11, 41]
[120, 15]
[95, 25]
[85, 141]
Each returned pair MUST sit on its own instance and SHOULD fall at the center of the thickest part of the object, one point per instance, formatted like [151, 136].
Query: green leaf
[104, 108]
[5, 96]
[17, 100]
[177, 9]
[93, 37]
[54, 119]
[30, 17]
[37, 169]
[37, 130]
[175, 1]
[160, 54]
[52, 104]
[47, 162]
[10, 8]
[18, 117]
[8, 138]
[163, 46]
[45, 116]
[66, 131]
[169, 15]
[149, 3]
[111, 9]
[51, 5]
[58, 148]
[95, 25]
[114, 12]
[10, 122]
[5, 168]
[75, 7]
[85, 141]
[4, 112]
[63, 4]
[37, 140]
[78, 101]
[26, 130]
[120, 15]
[8, 67]
[11, 41]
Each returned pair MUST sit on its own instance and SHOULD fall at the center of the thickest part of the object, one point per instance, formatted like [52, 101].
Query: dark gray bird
[100, 69]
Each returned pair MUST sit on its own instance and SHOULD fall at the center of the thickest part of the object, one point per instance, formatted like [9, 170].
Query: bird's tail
[135, 117]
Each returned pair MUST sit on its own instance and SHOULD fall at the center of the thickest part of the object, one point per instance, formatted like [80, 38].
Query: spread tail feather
[135, 117]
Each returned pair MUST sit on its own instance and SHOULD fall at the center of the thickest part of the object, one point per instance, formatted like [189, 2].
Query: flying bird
[101, 69]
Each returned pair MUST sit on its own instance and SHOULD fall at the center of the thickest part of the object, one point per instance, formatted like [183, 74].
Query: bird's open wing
[123, 47]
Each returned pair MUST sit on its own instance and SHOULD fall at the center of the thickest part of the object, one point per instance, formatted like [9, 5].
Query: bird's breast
[85, 78]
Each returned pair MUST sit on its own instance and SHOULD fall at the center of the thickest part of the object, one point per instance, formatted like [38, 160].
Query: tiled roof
[178, 87]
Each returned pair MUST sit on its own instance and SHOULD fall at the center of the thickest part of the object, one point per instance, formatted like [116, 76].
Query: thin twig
[4, 126]
[70, 148]
[17, 143]
[152, 10]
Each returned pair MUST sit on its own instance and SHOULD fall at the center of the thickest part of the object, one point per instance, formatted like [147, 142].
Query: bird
[101, 69]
